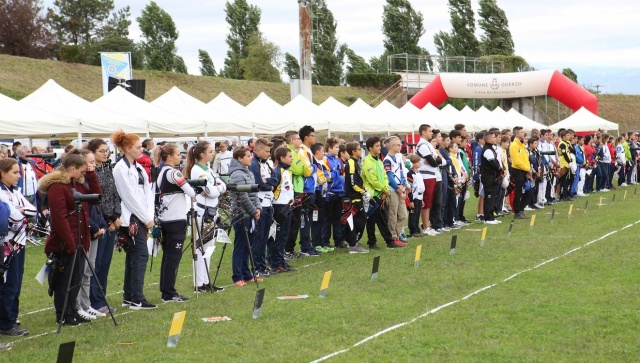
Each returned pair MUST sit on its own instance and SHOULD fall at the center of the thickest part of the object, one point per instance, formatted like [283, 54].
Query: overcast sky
[599, 40]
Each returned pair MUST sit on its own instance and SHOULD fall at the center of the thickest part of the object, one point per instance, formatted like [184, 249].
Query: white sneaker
[604, 190]
[429, 232]
[581, 194]
[491, 222]
[497, 220]
[528, 209]
[95, 312]
[623, 184]
[86, 315]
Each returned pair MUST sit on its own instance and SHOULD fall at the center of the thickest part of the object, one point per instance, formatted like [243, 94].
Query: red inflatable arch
[506, 85]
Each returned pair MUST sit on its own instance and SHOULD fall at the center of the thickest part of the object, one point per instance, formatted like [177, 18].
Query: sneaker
[70, 321]
[520, 215]
[396, 244]
[623, 184]
[455, 226]
[14, 332]
[357, 249]
[446, 229]
[176, 298]
[263, 273]
[429, 232]
[280, 269]
[95, 312]
[342, 244]
[479, 218]
[605, 190]
[126, 303]
[85, 315]
[416, 235]
[105, 310]
[240, 283]
[320, 249]
[81, 320]
[437, 231]
[329, 248]
[254, 279]
[5, 346]
[290, 256]
[309, 253]
[403, 237]
[491, 222]
[527, 208]
[144, 304]
[540, 205]
[374, 246]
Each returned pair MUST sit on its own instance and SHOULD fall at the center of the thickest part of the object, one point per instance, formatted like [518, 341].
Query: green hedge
[372, 80]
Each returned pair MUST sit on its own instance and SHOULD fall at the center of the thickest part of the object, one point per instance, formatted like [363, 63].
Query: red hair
[122, 140]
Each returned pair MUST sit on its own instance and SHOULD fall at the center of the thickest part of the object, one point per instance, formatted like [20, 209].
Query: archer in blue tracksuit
[335, 168]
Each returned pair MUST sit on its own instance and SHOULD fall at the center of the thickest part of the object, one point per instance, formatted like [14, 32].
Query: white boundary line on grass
[432, 311]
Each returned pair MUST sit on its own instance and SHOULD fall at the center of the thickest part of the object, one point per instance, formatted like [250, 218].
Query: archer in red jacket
[64, 227]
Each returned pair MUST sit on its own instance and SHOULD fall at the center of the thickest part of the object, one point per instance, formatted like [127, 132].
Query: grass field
[581, 306]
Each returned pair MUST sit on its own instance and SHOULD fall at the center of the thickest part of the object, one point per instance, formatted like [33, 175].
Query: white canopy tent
[395, 118]
[175, 100]
[160, 122]
[224, 102]
[305, 112]
[517, 119]
[264, 105]
[341, 117]
[584, 120]
[83, 116]
[371, 122]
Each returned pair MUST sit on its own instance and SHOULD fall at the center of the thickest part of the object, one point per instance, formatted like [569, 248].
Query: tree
[461, 41]
[206, 64]
[327, 60]
[79, 21]
[402, 27]
[569, 73]
[35, 38]
[244, 21]
[118, 25]
[262, 61]
[496, 39]
[160, 34]
[291, 66]
[355, 63]
[179, 66]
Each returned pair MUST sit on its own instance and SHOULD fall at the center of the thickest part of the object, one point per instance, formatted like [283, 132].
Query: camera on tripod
[243, 188]
[197, 184]
[79, 197]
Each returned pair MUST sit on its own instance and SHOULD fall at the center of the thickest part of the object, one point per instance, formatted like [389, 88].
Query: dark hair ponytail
[194, 155]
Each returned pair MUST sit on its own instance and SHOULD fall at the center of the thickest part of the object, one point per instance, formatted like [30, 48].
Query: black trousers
[61, 289]
[379, 218]
[174, 234]
[519, 177]
[435, 215]
[359, 221]
[414, 217]
[294, 227]
[490, 188]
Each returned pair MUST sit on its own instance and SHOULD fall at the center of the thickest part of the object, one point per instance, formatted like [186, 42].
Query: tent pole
[79, 139]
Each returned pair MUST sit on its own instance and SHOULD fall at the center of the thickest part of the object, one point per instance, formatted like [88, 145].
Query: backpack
[5, 213]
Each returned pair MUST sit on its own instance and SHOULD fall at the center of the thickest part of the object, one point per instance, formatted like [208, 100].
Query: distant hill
[20, 76]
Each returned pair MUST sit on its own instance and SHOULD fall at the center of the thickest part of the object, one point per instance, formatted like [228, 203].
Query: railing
[435, 64]
[388, 92]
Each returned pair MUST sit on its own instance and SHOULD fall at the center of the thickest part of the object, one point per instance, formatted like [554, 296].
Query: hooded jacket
[248, 203]
[64, 226]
